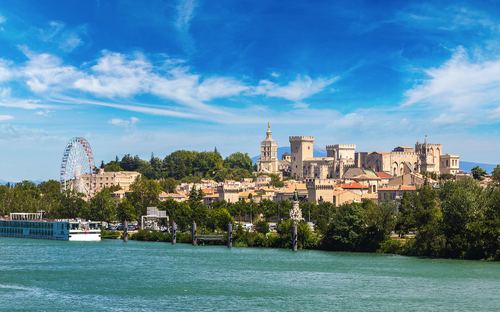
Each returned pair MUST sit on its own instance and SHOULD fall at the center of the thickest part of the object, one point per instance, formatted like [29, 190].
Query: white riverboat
[31, 225]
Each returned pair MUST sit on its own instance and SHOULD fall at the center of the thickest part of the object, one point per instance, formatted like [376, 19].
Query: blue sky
[155, 76]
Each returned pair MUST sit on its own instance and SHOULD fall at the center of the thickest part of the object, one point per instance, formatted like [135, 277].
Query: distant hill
[317, 152]
[466, 166]
[3, 182]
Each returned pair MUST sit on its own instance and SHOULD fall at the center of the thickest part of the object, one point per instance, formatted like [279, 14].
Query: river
[43, 275]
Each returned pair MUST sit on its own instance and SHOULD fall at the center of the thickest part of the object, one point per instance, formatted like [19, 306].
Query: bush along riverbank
[461, 220]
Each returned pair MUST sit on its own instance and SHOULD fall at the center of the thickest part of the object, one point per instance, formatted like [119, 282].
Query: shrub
[390, 246]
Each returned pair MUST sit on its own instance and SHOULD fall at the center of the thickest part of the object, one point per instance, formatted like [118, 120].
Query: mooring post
[174, 233]
[125, 232]
[195, 238]
[229, 235]
[294, 238]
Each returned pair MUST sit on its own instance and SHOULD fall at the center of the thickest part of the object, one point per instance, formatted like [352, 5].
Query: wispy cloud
[185, 12]
[2, 19]
[302, 87]
[45, 113]
[124, 123]
[6, 117]
[461, 84]
[66, 39]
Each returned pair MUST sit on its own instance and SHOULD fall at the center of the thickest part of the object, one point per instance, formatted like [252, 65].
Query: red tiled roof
[352, 185]
[383, 175]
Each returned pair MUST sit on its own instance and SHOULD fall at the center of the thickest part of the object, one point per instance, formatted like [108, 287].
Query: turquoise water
[38, 275]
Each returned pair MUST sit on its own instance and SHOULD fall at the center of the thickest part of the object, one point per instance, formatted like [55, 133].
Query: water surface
[111, 275]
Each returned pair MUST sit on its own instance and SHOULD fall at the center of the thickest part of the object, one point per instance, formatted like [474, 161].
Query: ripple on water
[116, 276]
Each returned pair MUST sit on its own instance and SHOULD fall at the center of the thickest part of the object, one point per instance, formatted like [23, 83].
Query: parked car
[311, 226]
[248, 227]
[273, 227]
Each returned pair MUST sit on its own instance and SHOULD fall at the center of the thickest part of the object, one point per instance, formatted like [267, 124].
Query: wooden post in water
[294, 237]
[125, 232]
[195, 238]
[229, 235]
[174, 233]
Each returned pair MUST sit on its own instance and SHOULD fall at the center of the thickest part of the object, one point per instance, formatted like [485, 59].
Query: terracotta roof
[383, 175]
[245, 194]
[366, 177]
[211, 196]
[291, 187]
[352, 185]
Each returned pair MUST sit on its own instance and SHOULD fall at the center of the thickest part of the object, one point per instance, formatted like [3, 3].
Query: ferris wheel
[78, 167]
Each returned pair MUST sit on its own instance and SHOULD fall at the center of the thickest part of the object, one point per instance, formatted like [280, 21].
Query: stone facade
[301, 148]
[425, 157]
[107, 179]
[320, 190]
[449, 164]
[268, 161]
[228, 192]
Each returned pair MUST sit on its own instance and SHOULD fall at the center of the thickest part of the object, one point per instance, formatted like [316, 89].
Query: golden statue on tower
[268, 126]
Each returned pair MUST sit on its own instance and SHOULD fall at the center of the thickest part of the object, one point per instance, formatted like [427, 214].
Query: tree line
[459, 219]
[187, 166]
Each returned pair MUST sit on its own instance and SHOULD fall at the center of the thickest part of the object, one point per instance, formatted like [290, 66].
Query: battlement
[403, 153]
[320, 184]
[228, 188]
[349, 146]
[301, 138]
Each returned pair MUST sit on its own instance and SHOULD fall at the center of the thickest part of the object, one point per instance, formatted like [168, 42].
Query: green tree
[346, 231]
[463, 204]
[239, 160]
[275, 180]
[112, 166]
[477, 172]
[495, 174]
[125, 211]
[262, 227]
[168, 185]
[102, 207]
[144, 194]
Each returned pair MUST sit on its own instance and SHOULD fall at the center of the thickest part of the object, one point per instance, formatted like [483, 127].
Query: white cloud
[185, 11]
[124, 123]
[460, 84]
[45, 113]
[20, 133]
[2, 19]
[116, 75]
[302, 87]
[5, 72]
[219, 87]
[449, 119]
[275, 75]
[46, 70]
[6, 117]
[66, 39]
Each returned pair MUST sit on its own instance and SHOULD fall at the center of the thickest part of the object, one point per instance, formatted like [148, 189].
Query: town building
[107, 179]
[268, 161]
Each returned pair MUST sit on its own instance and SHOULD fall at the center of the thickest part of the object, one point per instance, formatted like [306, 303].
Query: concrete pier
[229, 235]
[294, 238]
[125, 231]
[195, 237]
[174, 233]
